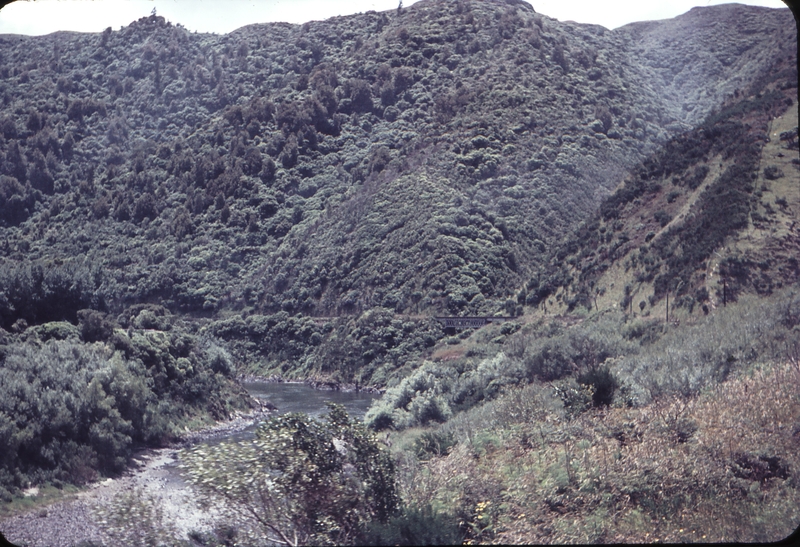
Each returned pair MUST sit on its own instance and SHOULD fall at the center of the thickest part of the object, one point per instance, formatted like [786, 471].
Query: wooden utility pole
[667, 307]
[724, 292]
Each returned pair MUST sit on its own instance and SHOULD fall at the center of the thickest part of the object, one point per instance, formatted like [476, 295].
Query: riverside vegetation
[179, 208]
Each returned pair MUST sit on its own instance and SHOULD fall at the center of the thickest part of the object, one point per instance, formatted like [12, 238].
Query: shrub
[576, 398]
[39, 174]
[433, 443]
[420, 398]
[550, 361]
[415, 526]
[268, 170]
[55, 330]
[145, 207]
[290, 152]
[662, 217]
[686, 360]
[39, 293]
[771, 172]
[95, 326]
[317, 481]
[603, 384]
[73, 406]
[80, 108]
[360, 95]
[380, 159]
[16, 202]
[137, 519]
[560, 57]
[578, 349]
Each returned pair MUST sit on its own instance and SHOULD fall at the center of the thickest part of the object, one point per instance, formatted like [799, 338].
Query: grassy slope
[698, 214]
[699, 442]
[718, 467]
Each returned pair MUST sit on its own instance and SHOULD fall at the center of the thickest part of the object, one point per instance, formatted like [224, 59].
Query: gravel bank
[67, 523]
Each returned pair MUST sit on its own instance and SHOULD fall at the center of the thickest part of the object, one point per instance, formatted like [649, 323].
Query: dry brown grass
[676, 470]
[448, 353]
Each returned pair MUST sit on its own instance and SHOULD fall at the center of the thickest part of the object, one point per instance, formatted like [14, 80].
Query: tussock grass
[716, 467]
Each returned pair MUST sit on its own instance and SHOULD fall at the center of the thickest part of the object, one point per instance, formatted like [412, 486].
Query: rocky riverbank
[152, 472]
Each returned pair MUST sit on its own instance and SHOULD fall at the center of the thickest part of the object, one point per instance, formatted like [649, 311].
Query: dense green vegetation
[372, 348]
[78, 400]
[301, 481]
[693, 439]
[37, 292]
[419, 161]
[696, 443]
[618, 359]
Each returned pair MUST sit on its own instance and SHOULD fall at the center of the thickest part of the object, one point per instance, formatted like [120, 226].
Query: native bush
[433, 392]
[603, 384]
[575, 350]
[316, 481]
[772, 172]
[576, 397]
[16, 201]
[686, 360]
[39, 292]
[79, 410]
[433, 443]
[95, 326]
[76, 411]
[418, 399]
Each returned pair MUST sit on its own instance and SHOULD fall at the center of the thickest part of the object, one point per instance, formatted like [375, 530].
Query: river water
[297, 397]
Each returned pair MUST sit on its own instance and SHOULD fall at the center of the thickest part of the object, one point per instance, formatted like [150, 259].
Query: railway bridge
[475, 322]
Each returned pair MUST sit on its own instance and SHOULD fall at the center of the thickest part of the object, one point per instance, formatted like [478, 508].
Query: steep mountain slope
[709, 43]
[420, 160]
[711, 215]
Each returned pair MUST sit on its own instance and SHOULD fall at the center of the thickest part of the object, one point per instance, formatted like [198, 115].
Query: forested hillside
[178, 209]
[419, 160]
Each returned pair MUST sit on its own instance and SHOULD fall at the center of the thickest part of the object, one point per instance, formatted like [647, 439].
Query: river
[157, 475]
[289, 397]
[296, 397]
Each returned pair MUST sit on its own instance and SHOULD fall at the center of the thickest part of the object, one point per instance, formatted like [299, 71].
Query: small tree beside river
[300, 481]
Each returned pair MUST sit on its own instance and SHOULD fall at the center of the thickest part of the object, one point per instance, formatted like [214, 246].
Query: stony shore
[71, 521]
